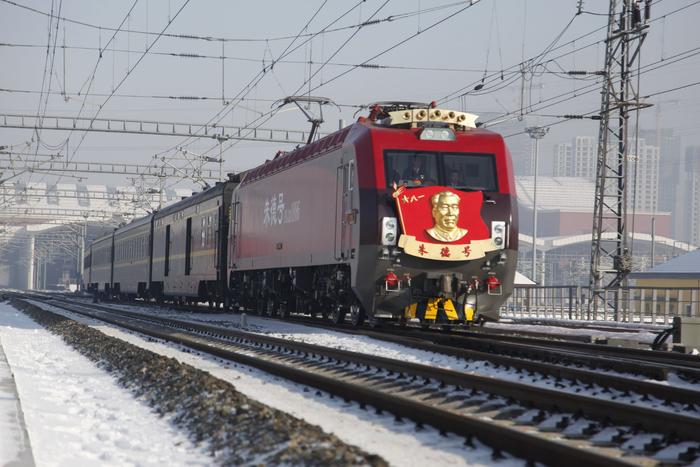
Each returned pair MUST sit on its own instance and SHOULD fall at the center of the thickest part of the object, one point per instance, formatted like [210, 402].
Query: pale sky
[483, 40]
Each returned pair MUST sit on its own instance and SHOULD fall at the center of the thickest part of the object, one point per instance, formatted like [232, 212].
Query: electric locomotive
[406, 215]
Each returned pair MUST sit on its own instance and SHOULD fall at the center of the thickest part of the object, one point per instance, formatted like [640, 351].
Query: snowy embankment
[398, 442]
[76, 413]
[67, 408]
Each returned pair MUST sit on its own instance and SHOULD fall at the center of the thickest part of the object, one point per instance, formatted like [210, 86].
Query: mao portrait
[445, 216]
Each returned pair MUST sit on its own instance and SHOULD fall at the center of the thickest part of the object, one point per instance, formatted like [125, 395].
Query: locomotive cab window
[464, 171]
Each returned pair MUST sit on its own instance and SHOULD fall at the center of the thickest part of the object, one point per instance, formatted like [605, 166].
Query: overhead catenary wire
[91, 79]
[594, 86]
[261, 120]
[40, 114]
[77, 147]
[391, 18]
[545, 63]
[247, 88]
[128, 73]
[468, 89]
[263, 62]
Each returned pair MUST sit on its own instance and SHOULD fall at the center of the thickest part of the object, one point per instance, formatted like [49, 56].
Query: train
[408, 215]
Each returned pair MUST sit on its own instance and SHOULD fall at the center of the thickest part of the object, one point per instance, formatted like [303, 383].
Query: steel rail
[521, 443]
[672, 424]
[666, 393]
[670, 359]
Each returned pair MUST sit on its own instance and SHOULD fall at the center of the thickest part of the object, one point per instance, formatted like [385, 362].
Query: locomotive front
[446, 217]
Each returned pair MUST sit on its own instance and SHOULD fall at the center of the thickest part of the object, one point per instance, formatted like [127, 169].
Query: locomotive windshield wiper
[464, 188]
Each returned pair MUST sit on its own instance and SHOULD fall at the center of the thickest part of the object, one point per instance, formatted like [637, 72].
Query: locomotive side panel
[132, 257]
[293, 218]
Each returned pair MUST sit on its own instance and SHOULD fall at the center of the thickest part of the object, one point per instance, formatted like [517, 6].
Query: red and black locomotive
[407, 215]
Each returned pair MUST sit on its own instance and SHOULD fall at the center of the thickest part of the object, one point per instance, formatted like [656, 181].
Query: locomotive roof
[213, 192]
[329, 143]
[309, 151]
[134, 224]
[102, 238]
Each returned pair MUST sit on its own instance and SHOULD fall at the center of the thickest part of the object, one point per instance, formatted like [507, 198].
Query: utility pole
[82, 240]
[536, 133]
[610, 258]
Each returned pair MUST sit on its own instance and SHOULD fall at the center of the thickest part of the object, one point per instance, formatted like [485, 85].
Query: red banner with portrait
[442, 223]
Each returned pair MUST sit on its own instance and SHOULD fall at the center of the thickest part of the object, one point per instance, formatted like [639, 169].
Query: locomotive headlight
[437, 134]
[498, 233]
[389, 230]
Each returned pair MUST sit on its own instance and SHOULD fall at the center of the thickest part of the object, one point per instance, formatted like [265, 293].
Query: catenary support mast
[610, 258]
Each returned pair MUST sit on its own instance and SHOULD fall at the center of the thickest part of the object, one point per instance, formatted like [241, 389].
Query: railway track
[581, 369]
[501, 348]
[655, 364]
[535, 423]
[558, 359]
[592, 326]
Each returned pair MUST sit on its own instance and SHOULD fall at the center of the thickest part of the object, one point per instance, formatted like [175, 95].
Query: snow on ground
[75, 412]
[643, 335]
[397, 442]
[14, 441]
[364, 344]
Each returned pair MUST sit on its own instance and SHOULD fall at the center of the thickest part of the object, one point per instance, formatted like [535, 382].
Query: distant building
[564, 226]
[563, 160]
[682, 272]
[643, 176]
[690, 196]
[585, 157]
[576, 159]
[565, 207]
[55, 218]
[670, 172]
[580, 157]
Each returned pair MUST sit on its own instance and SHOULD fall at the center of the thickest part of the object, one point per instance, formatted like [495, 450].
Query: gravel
[238, 430]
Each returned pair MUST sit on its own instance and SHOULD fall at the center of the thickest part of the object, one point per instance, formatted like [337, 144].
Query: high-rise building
[585, 157]
[580, 157]
[563, 160]
[691, 195]
[643, 178]
[670, 173]
[577, 159]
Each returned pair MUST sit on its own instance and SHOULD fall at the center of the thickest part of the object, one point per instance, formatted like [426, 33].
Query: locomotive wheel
[318, 309]
[337, 315]
[259, 307]
[270, 309]
[285, 308]
[357, 315]
[375, 323]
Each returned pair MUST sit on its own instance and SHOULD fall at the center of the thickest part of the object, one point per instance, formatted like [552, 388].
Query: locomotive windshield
[464, 171]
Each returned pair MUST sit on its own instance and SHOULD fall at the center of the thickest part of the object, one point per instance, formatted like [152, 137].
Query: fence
[625, 304]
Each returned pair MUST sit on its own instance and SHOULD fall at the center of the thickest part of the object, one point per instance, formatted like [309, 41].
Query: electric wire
[468, 88]
[391, 18]
[246, 89]
[266, 117]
